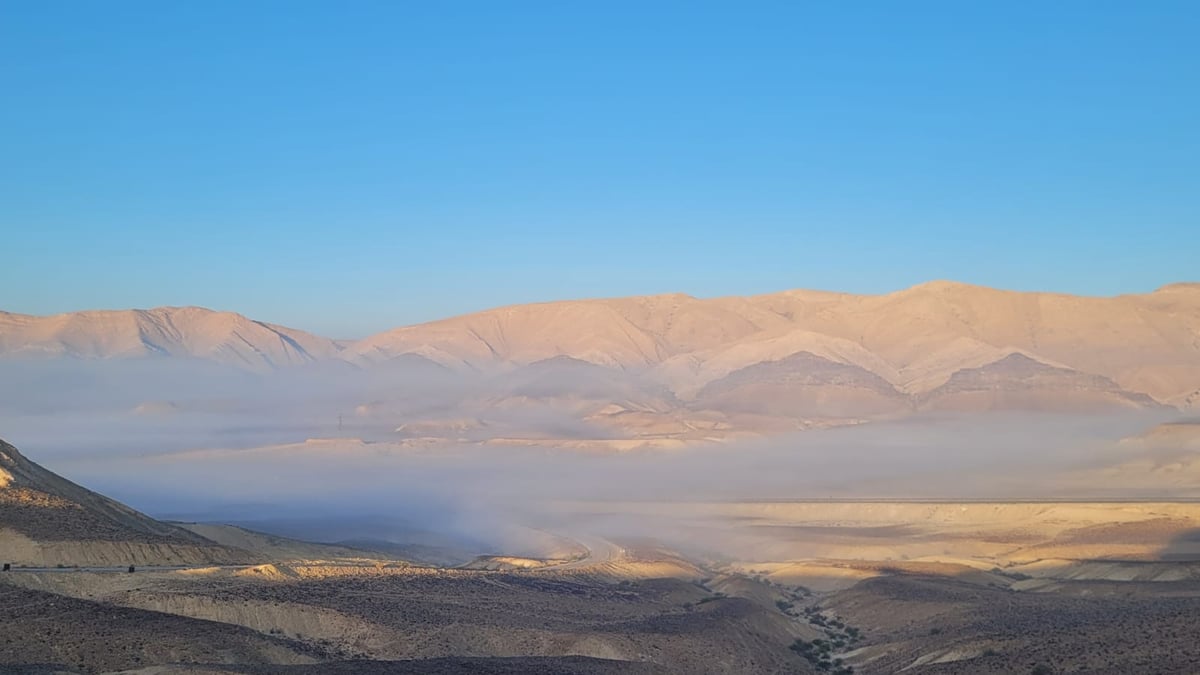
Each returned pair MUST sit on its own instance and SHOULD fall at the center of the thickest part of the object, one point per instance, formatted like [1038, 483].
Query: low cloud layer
[190, 441]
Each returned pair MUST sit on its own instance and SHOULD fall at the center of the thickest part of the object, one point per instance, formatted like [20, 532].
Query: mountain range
[816, 354]
[224, 337]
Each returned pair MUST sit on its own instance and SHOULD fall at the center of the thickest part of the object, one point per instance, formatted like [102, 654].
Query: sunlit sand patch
[268, 572]
[504, 563]
[199, 572]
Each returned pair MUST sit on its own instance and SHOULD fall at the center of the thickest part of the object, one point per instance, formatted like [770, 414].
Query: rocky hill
[46, 520]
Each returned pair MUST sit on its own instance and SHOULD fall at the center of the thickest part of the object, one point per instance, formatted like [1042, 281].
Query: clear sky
[345, 167]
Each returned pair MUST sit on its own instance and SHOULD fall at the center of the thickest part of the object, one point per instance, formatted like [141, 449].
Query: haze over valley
[943, 390]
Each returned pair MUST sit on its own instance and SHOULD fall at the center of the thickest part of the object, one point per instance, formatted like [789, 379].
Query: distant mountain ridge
[915, 348]
[224, 337]
[915, 339]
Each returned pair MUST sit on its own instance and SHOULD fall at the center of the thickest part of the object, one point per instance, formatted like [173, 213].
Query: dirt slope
[47, 520]
[83, 636]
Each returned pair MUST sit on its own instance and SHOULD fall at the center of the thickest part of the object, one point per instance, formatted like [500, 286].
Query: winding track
[599, 551]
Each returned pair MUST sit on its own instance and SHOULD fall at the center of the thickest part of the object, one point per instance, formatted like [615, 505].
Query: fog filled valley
[949, 392]
[943, 479]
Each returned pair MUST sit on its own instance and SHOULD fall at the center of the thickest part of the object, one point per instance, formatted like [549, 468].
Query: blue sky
[345, 167]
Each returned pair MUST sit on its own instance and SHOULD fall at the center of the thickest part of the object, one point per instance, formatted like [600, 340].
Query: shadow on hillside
[1183, 547]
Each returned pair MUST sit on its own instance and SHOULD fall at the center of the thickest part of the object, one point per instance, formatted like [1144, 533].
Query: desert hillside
[47, 520]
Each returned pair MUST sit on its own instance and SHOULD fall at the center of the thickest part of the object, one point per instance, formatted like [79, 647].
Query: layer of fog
[193, 441]
[78, 408]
